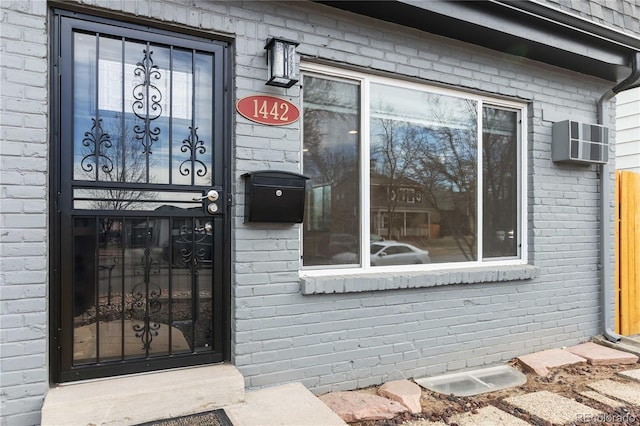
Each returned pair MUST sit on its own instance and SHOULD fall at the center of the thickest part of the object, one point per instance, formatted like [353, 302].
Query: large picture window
[407, 174]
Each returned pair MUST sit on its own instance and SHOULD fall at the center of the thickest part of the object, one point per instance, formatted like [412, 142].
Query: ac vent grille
[580, 143]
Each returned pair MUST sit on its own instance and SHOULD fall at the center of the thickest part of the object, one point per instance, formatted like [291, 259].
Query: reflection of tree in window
[434, 151]
[447, 170]
[330, 147]
[327, 157]
[393, 150]
[499, 198]
[127, 164]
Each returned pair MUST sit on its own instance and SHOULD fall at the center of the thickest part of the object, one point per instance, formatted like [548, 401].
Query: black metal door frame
[61, 198]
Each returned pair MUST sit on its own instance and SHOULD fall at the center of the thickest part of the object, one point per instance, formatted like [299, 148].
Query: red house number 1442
[268, 110]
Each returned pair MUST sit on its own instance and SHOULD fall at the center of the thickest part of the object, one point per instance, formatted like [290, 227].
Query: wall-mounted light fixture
[281, 62]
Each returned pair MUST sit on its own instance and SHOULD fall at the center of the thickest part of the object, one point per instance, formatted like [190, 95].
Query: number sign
[268, 110]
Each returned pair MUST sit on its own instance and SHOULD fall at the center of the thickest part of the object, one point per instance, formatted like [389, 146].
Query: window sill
[398, 280]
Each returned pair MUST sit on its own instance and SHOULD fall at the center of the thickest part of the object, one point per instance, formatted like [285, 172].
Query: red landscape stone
[601, 355]
[356, 406]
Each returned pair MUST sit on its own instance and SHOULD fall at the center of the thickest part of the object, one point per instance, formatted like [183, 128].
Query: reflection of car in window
[395, 253]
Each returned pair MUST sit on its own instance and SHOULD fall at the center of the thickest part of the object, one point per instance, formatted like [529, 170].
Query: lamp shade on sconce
[281, 63]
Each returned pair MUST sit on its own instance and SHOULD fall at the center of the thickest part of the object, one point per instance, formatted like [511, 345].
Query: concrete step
[626, 344]
[144, 397]
[285, 405]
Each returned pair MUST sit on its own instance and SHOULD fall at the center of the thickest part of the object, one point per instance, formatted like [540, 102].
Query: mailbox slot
[274, 196]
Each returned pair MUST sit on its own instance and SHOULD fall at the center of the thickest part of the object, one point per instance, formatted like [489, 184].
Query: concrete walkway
[141, 398]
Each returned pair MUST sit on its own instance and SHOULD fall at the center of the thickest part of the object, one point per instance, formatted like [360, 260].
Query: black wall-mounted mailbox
[274, 196]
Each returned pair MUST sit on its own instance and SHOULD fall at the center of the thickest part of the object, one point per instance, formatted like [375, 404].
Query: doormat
[208, 418]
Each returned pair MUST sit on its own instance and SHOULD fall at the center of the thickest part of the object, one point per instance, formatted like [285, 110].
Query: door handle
[207, 228]
[211, 195]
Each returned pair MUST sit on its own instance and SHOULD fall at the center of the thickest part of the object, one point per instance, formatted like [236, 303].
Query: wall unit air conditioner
[580, 143]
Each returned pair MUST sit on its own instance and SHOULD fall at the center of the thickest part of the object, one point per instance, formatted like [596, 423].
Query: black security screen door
[142, 256]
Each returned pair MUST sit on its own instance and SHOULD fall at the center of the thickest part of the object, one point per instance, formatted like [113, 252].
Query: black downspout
[605, 225]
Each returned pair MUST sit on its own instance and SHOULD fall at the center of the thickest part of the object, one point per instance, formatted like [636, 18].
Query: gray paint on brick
[23, 210]
[377, 327]
[396, 280]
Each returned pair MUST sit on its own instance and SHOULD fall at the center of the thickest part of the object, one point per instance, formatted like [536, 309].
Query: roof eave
[523, 28]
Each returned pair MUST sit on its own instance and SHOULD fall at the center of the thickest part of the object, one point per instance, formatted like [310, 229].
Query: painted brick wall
[343, 341]
[23, 207]
[330, 341]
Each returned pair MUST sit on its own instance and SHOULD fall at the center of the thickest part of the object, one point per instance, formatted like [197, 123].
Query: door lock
[209, 199]
[211, 195]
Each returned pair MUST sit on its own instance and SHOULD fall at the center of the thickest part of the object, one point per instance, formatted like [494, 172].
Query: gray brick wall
[342, 341]
[23, 209]
[326, 341]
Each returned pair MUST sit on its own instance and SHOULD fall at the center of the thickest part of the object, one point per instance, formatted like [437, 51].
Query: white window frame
[364, 81]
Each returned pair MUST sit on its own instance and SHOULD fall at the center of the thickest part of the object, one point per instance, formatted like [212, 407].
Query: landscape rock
[405, 392]
[601, 355]
[356, 406]
[631, 374]
[540, 362]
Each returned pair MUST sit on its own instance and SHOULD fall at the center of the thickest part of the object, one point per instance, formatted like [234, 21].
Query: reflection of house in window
[407, 195]
[398, 209]
[403, 195]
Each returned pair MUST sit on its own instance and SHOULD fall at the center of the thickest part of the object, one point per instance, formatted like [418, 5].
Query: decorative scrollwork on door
[142, 307]
[194, 145]
[97, 140]
[145, 302]
[147, 105]
[193, 252]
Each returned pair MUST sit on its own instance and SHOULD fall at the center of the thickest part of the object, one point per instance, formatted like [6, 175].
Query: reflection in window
[424, 200]
[320, 208]
[330, 146]
[500, 182]
[424, 143]
[121, 199]
[142, 112]
[142, 287]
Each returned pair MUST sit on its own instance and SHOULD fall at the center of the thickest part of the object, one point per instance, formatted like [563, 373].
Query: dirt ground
[568, 381]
